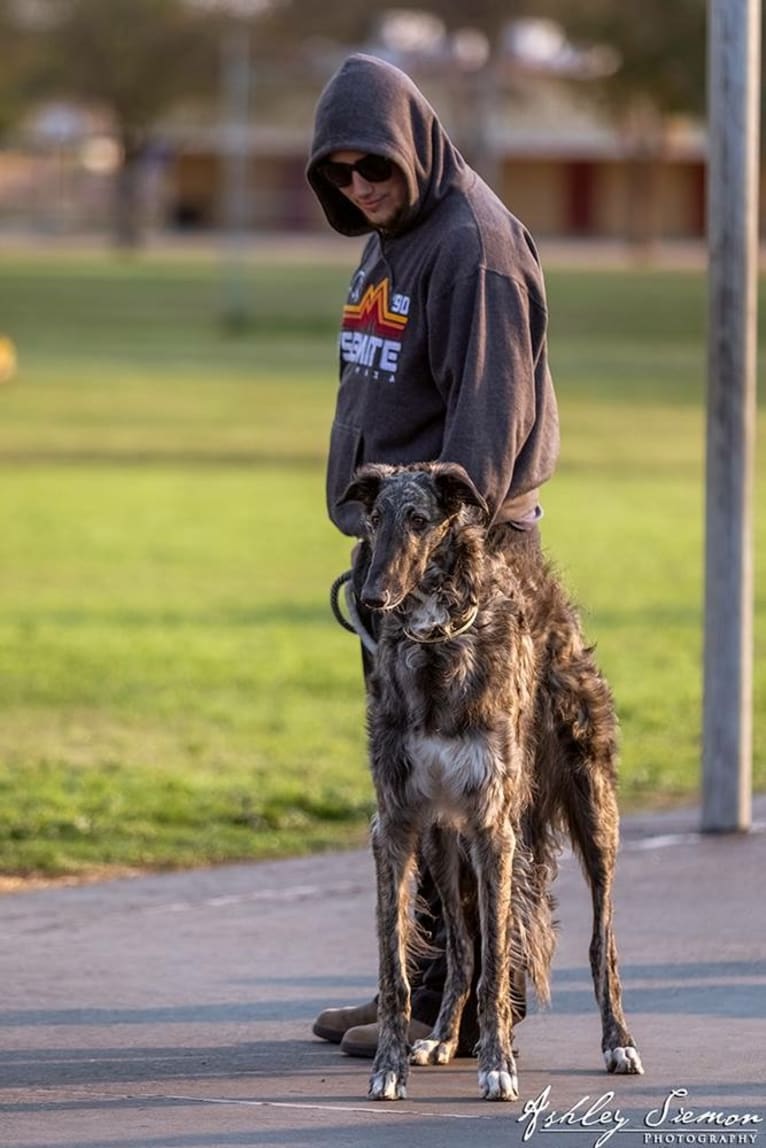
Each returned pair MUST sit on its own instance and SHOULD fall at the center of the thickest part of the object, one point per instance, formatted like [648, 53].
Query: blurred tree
[660, 71]
[660, 45]
[15, 68]
[135, 58]
[354, 21]
[7, 86]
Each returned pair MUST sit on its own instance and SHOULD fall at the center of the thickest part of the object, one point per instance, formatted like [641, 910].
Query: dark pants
[428, 973]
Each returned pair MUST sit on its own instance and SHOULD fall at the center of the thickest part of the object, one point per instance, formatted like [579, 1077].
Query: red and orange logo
[376, 312]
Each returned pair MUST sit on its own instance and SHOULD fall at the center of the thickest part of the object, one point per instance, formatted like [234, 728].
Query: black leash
[341, 580]
[356, 625]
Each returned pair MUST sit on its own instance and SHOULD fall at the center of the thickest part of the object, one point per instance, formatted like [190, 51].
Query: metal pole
[734, 77]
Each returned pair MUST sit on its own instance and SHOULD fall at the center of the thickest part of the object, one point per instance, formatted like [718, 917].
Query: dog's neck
[447, 602]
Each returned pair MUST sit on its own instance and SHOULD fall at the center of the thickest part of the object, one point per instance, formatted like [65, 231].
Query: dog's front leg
[393, 846]
[493, 859]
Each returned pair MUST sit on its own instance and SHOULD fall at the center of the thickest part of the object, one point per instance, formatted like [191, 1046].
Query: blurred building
[57, 174]
[558, 164]
[545, 144]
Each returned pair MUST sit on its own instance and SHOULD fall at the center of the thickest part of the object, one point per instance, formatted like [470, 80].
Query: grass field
[173, 688]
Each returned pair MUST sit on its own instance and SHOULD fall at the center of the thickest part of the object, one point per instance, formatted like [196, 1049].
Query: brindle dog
[490, 730]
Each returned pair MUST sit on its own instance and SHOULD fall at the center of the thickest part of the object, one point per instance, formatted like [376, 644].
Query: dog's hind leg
[393, 844]
[441, 853]
[492, 852]
[590, 806]
[593, 821]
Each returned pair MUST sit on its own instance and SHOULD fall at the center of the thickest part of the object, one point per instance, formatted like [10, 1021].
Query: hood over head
[372, 107]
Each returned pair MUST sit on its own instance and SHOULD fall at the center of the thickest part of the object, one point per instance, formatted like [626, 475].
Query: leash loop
[356, 625]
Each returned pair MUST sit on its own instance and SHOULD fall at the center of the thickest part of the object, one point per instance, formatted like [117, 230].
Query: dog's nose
[376, 599]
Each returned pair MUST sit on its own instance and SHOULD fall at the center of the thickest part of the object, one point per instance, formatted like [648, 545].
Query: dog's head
[409, 513]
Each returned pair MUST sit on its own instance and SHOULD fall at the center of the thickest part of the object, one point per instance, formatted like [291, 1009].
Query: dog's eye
[418, 522]
[374, 519]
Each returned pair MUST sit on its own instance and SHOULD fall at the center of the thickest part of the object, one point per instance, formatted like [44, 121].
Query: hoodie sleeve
[487, 340]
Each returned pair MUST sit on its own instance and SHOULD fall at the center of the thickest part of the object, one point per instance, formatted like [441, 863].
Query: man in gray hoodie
[443, 352]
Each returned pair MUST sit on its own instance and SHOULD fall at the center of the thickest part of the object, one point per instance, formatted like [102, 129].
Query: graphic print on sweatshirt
[374, 322]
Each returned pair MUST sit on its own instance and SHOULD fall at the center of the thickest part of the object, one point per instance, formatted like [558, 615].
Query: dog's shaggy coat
[490, 730]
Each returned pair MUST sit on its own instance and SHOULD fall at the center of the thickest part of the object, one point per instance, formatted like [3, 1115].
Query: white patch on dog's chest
[444, 768]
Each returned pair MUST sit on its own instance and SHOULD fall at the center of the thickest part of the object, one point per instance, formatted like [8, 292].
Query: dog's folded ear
[456, 489]
[364, 486]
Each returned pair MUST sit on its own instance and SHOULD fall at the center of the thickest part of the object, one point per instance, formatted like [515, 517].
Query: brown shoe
[363, 1040]
[333, 1023]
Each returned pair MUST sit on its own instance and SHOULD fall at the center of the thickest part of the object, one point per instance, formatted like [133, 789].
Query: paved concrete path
[175, 1011]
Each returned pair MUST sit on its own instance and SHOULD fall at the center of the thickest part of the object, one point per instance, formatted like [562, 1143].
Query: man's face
[380, 203]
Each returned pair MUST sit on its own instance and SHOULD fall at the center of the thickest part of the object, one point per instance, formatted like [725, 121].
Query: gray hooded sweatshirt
[443, 341]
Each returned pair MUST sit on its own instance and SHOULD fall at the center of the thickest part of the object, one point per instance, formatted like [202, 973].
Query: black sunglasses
[373, 168]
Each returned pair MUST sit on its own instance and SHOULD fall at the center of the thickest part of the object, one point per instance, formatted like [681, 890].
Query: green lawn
[173, 687]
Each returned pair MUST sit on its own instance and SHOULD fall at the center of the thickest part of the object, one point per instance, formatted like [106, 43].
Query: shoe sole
[364, 1050]
[330, 1034]
[367, 1050]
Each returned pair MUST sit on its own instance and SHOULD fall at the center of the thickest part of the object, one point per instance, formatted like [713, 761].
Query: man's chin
[387, 221]
[379, 218]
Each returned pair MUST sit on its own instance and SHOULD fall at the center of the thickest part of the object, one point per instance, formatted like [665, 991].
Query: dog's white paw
[429, 1051]
[386, 1085]
[624, 1061]
[499, 1085]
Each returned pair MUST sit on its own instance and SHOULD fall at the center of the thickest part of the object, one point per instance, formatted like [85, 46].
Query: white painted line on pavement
[279, 895]
[372, 1110]
[289, 893]
[666, 840]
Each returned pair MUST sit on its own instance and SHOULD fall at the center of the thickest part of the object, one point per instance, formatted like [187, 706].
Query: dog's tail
[533, 928]
[421, 944]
